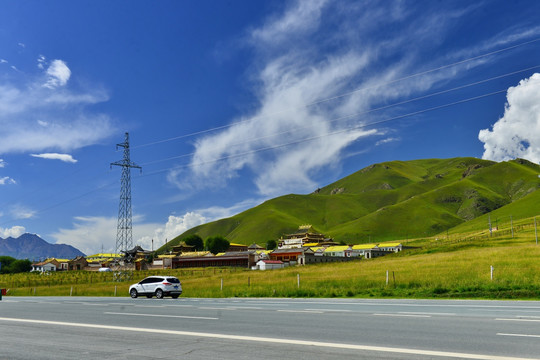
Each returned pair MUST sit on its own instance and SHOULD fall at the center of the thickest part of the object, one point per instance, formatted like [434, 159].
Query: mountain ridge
[33, 247]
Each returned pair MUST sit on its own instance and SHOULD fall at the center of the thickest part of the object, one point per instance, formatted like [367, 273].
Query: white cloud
[516, 133]
[92, 233]
[14, 232]
[386, 141]
[89, 234]
[19, 211]
[6, 180]
[304, 125]
[302, 16]
[3, 61]
[176, 225]
[2, 163]
[55, 156]
[58, 74]
[41, 61]
[65, 121]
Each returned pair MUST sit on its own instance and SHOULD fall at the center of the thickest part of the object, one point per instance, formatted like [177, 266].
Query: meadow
[454, 265]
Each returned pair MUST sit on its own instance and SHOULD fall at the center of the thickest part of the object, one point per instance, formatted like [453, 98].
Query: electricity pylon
[124, 233]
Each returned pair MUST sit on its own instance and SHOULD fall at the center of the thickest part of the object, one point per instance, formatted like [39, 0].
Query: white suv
[159, 286]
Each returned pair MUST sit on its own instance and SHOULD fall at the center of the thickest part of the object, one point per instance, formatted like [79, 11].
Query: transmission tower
[124, 234]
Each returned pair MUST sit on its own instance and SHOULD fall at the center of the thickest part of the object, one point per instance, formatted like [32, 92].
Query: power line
[328, 134]
[361, 113]
[341, 95]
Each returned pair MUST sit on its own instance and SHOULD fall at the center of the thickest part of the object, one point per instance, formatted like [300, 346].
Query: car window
[173, 280]
[149, 281]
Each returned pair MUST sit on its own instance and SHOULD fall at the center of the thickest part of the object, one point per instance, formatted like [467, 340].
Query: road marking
[165, 316]
[214, 308]
[520, 319]
[245, 308]
[427, 313]
[328, 310]
[519, 335]
[404, 315]
[271, 340]
[302, 311]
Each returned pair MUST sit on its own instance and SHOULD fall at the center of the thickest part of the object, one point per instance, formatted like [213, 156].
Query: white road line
[272, 340]
[214, 308]
[427, 313]
[178, 305]
[524, 320]
[519, 335]
[302, 311]
[150, 306]
[165, 316]
[403, 315]
[328, 310]
[245, 308]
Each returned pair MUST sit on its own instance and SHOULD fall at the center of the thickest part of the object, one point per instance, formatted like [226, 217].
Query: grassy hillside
[393, 200]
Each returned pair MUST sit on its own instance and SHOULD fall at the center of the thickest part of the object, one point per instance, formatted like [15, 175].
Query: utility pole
[124, 233]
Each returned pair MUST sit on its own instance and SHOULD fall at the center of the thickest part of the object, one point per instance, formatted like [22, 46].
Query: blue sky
[229, 104]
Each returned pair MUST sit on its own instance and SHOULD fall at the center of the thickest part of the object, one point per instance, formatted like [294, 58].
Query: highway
[264, 328]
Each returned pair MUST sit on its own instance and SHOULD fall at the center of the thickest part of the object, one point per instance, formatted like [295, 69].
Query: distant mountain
[391, 200]
[32, 247]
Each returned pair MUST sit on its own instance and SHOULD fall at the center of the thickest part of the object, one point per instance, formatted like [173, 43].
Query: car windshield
[173, 280]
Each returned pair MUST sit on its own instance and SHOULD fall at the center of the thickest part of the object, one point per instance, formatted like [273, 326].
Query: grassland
[454, 265]
[392, 200]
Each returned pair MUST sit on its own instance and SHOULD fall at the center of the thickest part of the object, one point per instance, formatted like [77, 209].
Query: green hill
[392, 200]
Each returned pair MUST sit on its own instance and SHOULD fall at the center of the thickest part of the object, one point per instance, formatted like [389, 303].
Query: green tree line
[9, 265]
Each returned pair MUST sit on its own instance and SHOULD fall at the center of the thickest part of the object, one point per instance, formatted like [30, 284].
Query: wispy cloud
[515, 135]
[66, 121]
[19, 211]
[55, 156]
[6, 180]
[308, 56]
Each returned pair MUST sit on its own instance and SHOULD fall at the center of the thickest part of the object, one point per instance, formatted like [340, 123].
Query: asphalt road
[125, 328]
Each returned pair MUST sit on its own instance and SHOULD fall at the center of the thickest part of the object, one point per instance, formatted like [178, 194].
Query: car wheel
[175, 296]
[159, 294]
[133, 293]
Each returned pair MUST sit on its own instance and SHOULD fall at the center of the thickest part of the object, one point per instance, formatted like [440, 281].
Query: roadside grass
[457, 266]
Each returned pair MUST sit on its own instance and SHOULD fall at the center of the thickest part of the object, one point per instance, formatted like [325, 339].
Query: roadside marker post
[2, 293]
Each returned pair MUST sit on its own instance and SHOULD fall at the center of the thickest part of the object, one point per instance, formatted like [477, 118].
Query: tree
[217, 244]
[12, 266]
[19, 266]
[271, 244]
[194, 240]
[6, 262]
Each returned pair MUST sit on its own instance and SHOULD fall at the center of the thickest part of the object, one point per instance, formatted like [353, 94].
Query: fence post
[491, 271]
[386, 277]
[115, 290]
[71, 291]
[221, 284]
[535, 231]
[512, 226]
[249, 282]
[298, 280]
